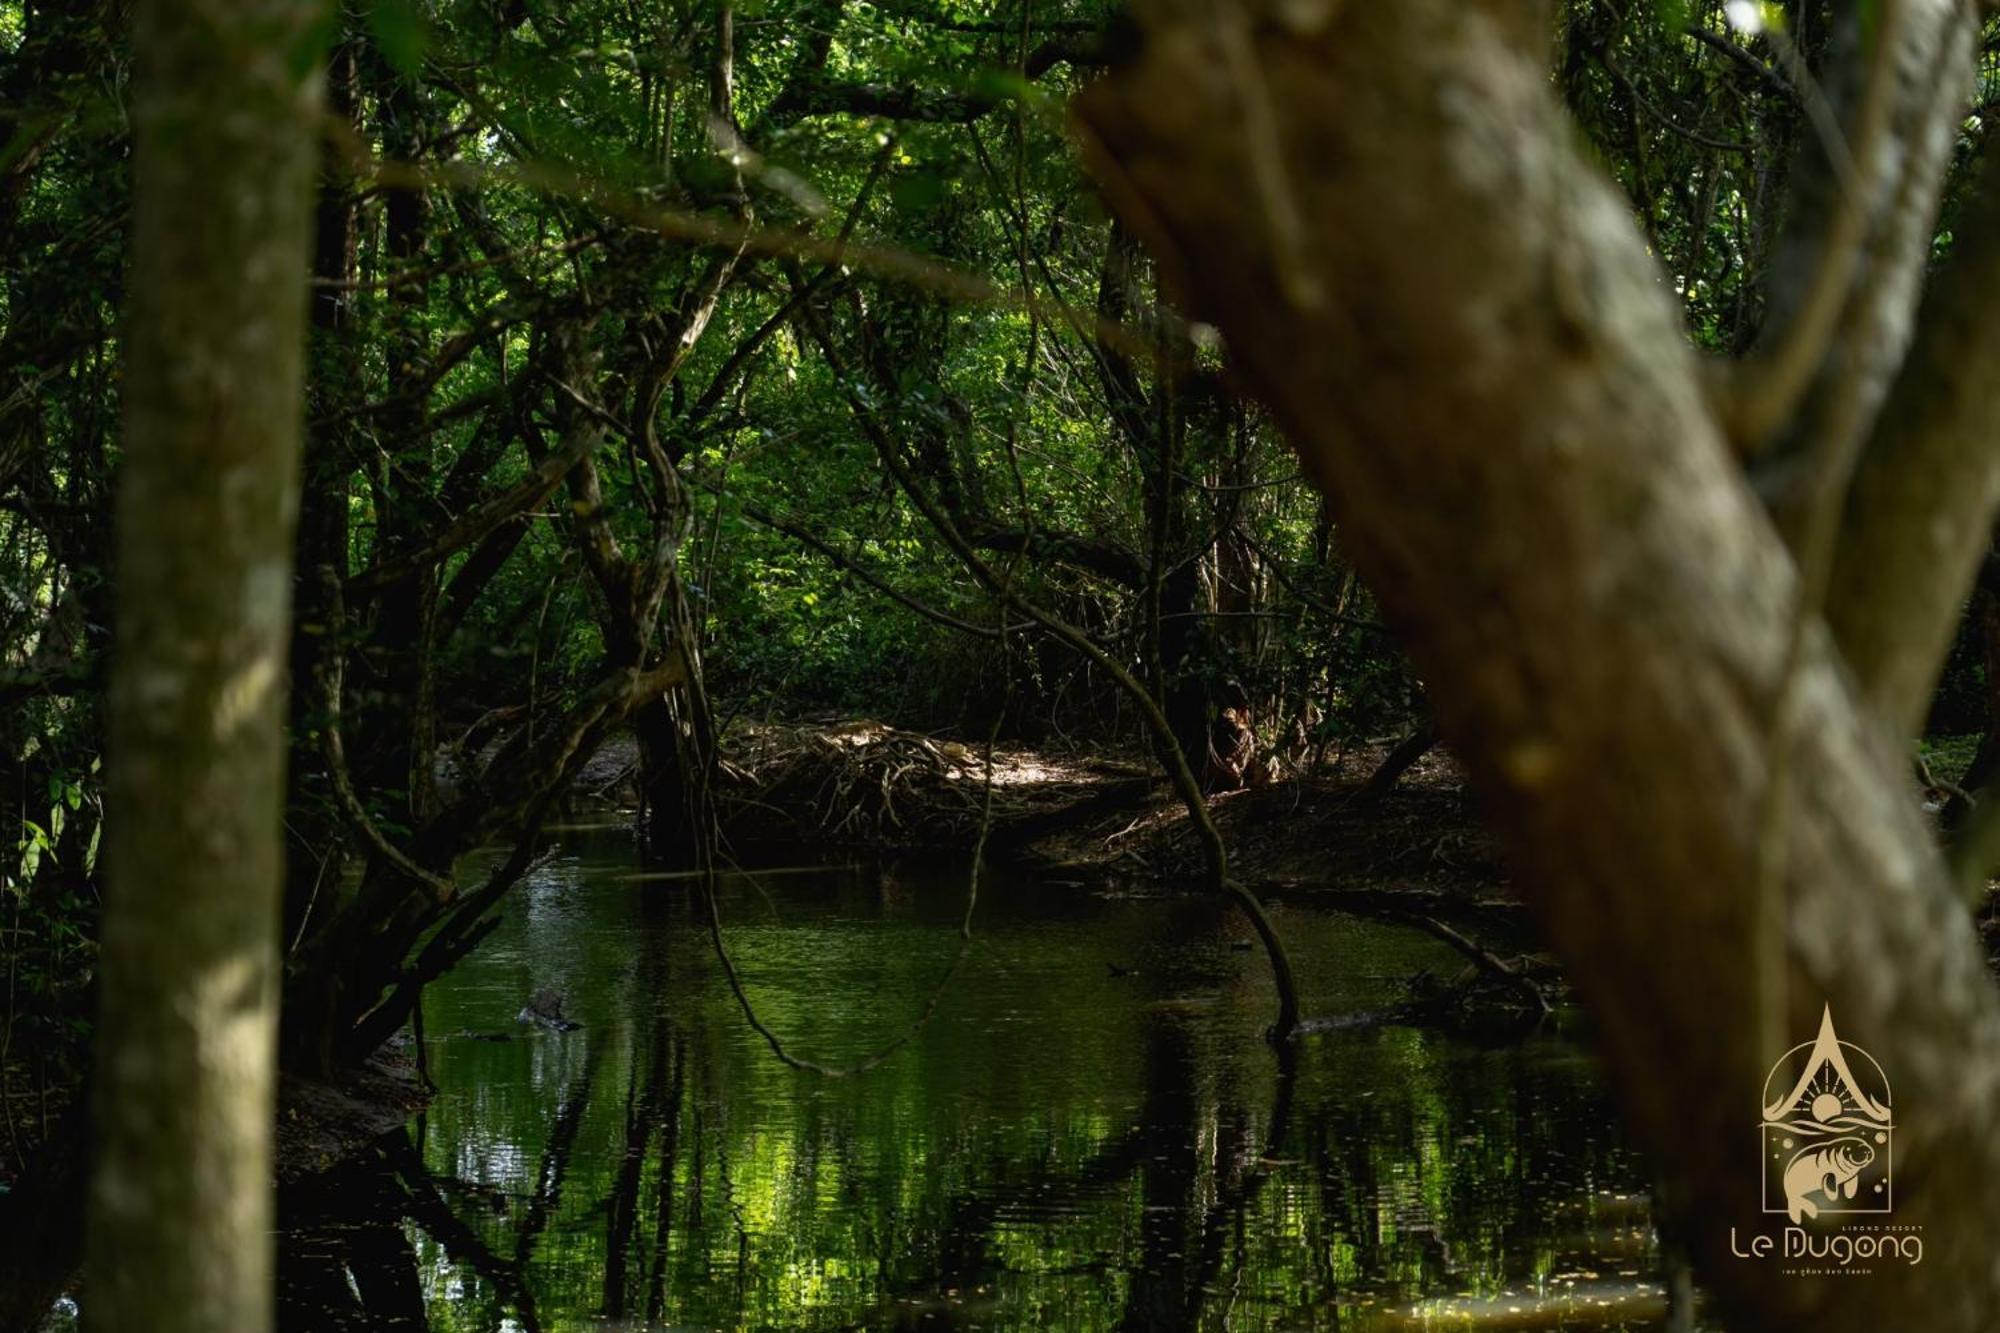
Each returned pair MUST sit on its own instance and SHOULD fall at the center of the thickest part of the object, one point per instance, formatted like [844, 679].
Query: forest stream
[1087, 1133]
[1273, 597]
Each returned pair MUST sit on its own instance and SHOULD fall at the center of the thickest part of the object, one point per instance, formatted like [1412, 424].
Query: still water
[1089, 1133]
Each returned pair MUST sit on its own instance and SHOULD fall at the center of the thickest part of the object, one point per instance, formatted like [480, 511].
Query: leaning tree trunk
[1456, 321]
[180, 1210]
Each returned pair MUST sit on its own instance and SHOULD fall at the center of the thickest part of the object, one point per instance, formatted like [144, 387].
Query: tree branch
[1842, 310]
[1483, 370]
[1921, 506]
[537, 486]
[821, 96]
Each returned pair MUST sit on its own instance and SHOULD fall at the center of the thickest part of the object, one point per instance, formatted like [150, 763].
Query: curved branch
[332, 671]
[1768, 386]
[1921, 506]
[1848, 319]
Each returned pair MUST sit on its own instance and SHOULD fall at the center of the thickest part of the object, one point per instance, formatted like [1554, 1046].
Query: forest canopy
[1170, 388]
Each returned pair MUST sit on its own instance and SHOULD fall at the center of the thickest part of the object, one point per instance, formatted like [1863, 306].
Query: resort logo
[1828, 1135]
[1827, 1147]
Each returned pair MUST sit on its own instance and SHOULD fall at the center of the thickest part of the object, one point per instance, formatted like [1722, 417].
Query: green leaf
[401, 33]
[918, 191]
[313, 39]
[1001, 85]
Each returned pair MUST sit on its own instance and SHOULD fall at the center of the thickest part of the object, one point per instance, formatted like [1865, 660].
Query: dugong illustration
[1829, 1168]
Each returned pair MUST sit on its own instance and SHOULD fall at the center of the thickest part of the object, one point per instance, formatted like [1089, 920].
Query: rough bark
[1456, 322]
[180, 1211]
[1919, 514]
[1921, 52]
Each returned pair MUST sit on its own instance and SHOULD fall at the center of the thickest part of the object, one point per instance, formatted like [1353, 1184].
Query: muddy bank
[867, 785]
[1109, 820]
[323, 1124]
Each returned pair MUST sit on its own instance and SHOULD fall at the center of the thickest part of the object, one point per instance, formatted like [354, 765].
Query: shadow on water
[1090, 1133]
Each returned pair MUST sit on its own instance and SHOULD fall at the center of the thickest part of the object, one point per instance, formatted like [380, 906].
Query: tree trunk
[1458, 325]
[180, 1212]
[314, 856]
[1400, 760]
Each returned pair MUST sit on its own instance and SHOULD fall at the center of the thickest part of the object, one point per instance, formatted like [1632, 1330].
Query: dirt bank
[1108, 820]
[322, 1124]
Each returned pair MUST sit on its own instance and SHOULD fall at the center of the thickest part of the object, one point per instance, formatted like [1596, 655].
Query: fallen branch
[1486, 961]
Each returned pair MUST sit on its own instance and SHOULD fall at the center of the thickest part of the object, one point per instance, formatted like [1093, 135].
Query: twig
[1486, 960]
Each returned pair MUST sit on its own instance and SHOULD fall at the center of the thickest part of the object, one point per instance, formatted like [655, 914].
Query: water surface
[1089, 1133]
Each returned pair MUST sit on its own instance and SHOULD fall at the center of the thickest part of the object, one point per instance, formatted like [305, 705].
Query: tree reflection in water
[1062, 1148]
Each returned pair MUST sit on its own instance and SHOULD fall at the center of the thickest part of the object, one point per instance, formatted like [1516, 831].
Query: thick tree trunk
[180, 1216]
[1458, 324]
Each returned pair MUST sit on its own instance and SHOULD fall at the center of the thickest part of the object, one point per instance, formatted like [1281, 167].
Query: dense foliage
[772, 351]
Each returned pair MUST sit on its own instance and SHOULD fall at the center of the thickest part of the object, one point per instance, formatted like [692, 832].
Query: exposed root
[868, 783]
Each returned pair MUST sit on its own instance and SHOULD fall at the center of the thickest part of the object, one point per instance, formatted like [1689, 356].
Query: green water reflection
[1090, 1134]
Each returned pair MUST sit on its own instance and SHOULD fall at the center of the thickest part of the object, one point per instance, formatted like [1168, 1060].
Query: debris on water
[546, 1010]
